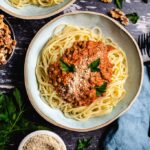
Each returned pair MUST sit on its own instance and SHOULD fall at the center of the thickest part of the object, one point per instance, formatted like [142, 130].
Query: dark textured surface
[13, 73]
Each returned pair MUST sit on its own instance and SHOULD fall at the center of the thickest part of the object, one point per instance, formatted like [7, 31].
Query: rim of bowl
[38, 16]
[13, 37]
[98, 126]
[41, 132]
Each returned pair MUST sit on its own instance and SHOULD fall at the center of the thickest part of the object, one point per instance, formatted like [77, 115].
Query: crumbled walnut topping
[119, 15]
[124, 20]
[6, 43]
[106, 1]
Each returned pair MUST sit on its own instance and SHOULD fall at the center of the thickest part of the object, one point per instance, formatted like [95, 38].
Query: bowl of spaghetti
[86, 71]
[34, 9]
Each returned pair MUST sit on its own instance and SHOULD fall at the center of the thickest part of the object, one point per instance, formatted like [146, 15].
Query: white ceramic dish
[49, 133]
[34, 12]
[110, 28]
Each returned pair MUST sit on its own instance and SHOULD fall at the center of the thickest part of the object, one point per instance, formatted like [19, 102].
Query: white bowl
[49, 133]
[34, 12]
[110, 28]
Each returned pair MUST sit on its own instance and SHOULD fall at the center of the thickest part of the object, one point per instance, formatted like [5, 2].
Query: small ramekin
[41, 132]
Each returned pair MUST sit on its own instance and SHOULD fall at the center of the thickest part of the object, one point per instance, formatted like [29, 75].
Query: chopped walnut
[119, 15]
[106, 1]
[7, 44]
[124, 20]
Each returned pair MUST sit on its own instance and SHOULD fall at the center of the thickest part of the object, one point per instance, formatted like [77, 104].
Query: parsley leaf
[133, 17]
[83, 143]
[66, 67]
[119, 3]
[4, 117]
[1, 98]
[11, 108]
[94, 65]
[17, 96]
[101, 89]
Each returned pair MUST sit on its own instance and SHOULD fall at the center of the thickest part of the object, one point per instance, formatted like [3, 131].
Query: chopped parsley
[66, 67]
[133, 17]
[94, 65]
[101, 89]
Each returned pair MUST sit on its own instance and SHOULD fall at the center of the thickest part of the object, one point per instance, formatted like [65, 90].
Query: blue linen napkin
[131, 132]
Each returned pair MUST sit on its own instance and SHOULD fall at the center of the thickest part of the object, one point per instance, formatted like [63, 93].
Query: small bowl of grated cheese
[42, 140]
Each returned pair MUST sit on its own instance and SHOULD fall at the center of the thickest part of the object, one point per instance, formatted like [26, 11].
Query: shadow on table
[114, 125]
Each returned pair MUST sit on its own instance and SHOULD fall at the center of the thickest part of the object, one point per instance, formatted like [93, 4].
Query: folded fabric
[131, 131]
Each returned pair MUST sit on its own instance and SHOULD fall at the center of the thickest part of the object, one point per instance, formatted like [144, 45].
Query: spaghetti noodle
[63, 38]
[42, 3]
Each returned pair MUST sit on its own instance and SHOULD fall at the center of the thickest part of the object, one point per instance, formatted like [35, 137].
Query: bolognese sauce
[81, 75]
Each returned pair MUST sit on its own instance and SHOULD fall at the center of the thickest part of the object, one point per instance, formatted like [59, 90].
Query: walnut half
[119, 15]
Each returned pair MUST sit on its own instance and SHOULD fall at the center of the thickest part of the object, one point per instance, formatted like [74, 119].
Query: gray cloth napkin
[131, 131]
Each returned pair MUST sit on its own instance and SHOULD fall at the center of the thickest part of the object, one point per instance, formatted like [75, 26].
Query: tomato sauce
[81, 69]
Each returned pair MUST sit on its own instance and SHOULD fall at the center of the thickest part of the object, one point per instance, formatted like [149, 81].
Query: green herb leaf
[119, 3]
[94, 65]
[101, 89]
[1, 98]
[133, 17]
[17, 96]
[83, 143]
[4, 117]
[11, 108]
[66, 67]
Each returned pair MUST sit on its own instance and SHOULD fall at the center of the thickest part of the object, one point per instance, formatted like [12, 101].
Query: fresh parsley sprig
[94, 65]
[101, 89]
[83, 143]
[66, 67]
[12, 119]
